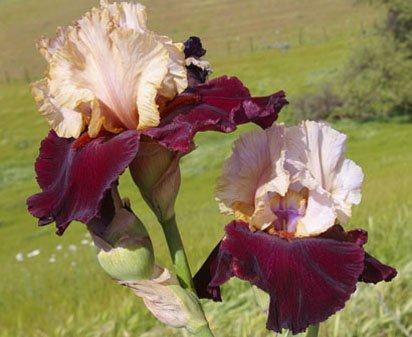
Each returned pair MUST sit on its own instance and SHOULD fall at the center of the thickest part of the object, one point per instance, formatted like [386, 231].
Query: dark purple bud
[193, 47]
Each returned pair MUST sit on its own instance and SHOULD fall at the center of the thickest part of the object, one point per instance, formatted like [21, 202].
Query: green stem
[204, 331]
[177, 252]
[181, 264]
[313, 331]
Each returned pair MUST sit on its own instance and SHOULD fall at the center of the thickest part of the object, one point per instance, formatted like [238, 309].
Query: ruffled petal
[255, 168]
[375, 271]
[220, 105]
[119, 67]
[218, 260]
[307, 279]
[315, 158]
[74, 176]
[175, 80]
[127, 15]
[346, 188]
[48, 47]
[132, 16]
[319, 215]
[66, 122]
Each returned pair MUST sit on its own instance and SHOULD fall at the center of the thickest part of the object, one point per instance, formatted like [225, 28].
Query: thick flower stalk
[290, 190]
[126, 253]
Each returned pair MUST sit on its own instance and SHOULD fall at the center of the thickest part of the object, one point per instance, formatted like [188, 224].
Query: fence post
[6, 76]
[27, 75]
[300, 36]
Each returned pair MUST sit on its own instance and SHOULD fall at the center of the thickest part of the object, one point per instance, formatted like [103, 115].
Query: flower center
[288, 209]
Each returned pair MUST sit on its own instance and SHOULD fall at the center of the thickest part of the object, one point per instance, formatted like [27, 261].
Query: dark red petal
[105, 214]
[218, 261]
[375, 271]
[74, 179]
[308, 279]
[356, 236]
[219, 105]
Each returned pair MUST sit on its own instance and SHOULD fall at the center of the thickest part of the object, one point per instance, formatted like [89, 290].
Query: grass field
[73, 297]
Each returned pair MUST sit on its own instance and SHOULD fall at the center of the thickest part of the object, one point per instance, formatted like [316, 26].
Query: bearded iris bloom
[290, 190]
[116, 95]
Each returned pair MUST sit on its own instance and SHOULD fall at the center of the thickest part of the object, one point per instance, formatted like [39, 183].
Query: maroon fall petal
[308, 279]
[219, 105]
[105, 214]
[74, 176]
[218, 261]
[375, 271]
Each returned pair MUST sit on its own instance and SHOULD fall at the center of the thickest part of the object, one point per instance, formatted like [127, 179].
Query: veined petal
[127, 15]
[255, 168]
[119, 67]
[175, 81]
[319, 215]
[48, 47]
[66, 122]
[75, 176]
[315, 158]
[374, 271]
[220, 105]
[346, 188]
[133, 16]
[307, 279]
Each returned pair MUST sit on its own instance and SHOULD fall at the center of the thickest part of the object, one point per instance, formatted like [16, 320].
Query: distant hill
[226, 26]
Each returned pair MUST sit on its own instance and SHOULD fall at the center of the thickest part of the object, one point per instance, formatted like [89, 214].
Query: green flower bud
[156, 172]
[125, 249]
[170, 303]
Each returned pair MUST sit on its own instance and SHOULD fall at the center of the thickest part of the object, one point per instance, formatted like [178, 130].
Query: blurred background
[346, 62]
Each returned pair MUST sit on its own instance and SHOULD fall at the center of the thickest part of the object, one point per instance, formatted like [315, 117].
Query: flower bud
[125, 249]
[156, 172]
[170, 303]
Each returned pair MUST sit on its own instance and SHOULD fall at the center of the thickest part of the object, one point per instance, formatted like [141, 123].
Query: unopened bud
[125, 249]
[170, 303]
[156, 172]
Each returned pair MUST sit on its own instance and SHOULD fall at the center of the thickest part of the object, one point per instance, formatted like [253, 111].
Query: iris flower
[290, 190]
[117, 95]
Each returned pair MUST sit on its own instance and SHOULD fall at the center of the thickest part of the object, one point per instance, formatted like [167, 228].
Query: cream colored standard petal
[263, 215]
[48, 47]
[127, 15]
[317, 148]
[120, 68]
[176, 79]
[66, 122]
[254, 168]
[346, 188]
[315, 156]
[133, 16]
[145, 63]
[319, 215]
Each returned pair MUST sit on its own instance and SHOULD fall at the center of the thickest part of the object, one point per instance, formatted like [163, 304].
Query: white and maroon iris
[293, 180]
[117, 95]
[289, 190]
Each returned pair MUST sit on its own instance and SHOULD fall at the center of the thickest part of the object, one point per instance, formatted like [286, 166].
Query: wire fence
[278, 40]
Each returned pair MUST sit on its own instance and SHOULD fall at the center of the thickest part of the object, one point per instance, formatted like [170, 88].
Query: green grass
[225, 27]
[73, 297]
